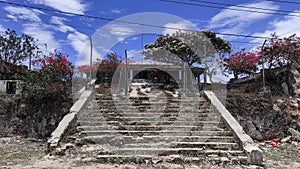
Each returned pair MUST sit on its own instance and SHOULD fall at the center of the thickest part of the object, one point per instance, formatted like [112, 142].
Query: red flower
[276, 140]
[274, 145]
[64, 60]
[43, 62]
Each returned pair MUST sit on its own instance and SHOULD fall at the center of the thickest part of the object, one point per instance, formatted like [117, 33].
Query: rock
[88, 159]
[59, 151]
[5, 140]
[294, 133]
[280, 101]
[276, 108]
[49, 157]
[286, 139]
[294, 105]
[253, 167]
[155, 161]
[285, 89]
[68, 145]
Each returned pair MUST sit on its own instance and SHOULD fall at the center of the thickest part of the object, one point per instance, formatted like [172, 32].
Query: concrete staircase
[165, 128]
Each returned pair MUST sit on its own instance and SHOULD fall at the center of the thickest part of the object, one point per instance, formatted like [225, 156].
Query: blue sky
[70, 33]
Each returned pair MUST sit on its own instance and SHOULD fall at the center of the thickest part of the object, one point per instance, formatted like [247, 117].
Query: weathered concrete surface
[81, 101]
[254, 153]
[62, 127]
[294, 132]
[68, 120]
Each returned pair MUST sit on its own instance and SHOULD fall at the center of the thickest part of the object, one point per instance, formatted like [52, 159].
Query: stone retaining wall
[254, 153]
[68, 124]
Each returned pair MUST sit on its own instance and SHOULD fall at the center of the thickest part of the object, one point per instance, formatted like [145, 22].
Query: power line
[289, 2]
[48, 23]
[245, 42]
[126, 22]
[233, 9]
[242, 6]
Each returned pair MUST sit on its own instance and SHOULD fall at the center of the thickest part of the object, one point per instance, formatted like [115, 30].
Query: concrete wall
[3, 86]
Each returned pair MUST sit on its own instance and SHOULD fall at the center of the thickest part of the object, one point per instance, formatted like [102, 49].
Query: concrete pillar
[131, 74]
[179, 75]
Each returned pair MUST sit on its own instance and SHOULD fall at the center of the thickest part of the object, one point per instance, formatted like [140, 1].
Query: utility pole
[91, 57]
[263, 68]
[126, 74]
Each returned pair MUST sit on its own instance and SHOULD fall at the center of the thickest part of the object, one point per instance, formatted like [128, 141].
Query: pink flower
[64, 60]
[51, 59]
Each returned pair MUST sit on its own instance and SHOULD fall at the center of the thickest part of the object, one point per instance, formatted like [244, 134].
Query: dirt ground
[20, 153]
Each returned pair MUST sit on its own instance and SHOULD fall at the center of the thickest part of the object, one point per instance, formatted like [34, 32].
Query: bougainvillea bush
[242, 62]
[103, 68]
[278, 52]
[108, 66]
[53, 73]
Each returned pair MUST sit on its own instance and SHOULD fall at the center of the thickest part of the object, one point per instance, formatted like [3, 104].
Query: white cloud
[182, 25]
[117, 11]
[16, 13]
[73, 6]
[78, 40]
[135, 56]
[60, 26]
[120, 30]
[80, 43]
[236, 21]
[2, 29]
[285, 27]
[42, 33]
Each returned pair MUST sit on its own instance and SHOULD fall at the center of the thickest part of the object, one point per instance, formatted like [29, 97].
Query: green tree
[241, 62]
[202, 47]
[15, 49]
[278, 52]
[53, 75]
[108, 66]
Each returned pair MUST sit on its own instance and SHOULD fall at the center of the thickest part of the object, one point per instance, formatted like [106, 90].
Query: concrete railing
[89, 84]
[252, 150]
[70, 119]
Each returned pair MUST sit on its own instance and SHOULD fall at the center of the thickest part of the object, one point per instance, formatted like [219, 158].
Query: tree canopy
[187, 47]
[278, 52]
[108, 66]
[241, 62]
[54, 73]
[16, 48]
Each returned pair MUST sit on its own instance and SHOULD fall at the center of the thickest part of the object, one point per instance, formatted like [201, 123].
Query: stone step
[151, 119]
[179, 144]
[148, 109]
[146, 97]
[166, 151]
[148, 117]
[120, 122]
[208, 145]
[183, 129]
[152, 128]
[170, 159]
[157, 138]
[158, 102]
[128, 116]
[160, 132]
[147, 113]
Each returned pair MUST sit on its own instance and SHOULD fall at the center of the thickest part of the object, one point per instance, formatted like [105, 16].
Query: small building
[10, 74]
[10, 87]
[154, 72]
[161, 72]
